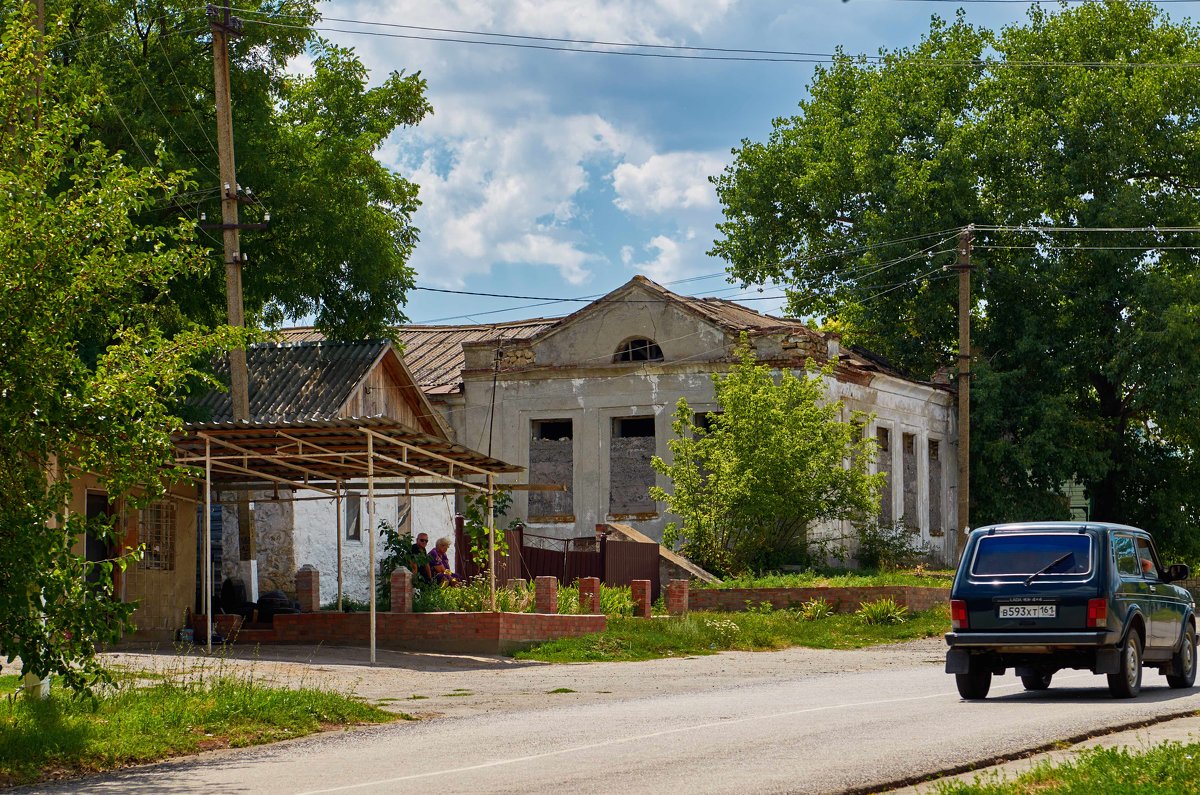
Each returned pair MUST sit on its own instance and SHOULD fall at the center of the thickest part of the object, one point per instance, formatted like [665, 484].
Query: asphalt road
[794, 733]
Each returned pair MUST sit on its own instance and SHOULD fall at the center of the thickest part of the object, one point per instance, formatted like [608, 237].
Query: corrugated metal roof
[296, 379]
[433, 354]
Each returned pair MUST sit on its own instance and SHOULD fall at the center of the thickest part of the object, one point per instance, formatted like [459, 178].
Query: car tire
[974, 686]
[1127, 681]
[1184, 660]
[1036, 681]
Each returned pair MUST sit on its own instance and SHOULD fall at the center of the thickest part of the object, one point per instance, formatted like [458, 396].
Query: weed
[814, 609]
[559, 690]
[882, 612]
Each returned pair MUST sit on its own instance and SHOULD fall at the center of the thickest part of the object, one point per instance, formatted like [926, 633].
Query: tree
[75, 264]
[752, 481]
[1088, 363]
[341, 229]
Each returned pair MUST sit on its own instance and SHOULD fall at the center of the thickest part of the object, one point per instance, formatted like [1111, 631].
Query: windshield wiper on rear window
[1047, 567]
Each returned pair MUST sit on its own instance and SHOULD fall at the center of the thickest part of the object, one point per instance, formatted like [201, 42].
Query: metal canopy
[323, 455]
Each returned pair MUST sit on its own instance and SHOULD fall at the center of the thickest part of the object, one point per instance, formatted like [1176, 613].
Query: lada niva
[1043, 596]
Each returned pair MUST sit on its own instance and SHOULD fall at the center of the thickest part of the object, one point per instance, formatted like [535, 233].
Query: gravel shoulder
[442, 685]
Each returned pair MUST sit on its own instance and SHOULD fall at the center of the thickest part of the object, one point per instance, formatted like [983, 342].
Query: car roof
[1053, 527]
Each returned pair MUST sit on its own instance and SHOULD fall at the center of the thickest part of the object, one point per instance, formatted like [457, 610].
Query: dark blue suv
[1039, 597]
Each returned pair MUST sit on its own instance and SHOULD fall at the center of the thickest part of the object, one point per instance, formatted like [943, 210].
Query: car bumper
[1002, 640]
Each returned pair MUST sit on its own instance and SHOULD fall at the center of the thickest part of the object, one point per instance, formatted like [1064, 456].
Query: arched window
[638, 349]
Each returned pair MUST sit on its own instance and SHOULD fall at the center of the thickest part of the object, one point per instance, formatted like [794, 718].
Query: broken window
[705, 420]
[552, 462]
[630, 474]
[638, 349]
[156, 531]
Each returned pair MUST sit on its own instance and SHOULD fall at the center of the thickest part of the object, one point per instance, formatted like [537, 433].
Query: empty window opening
[638, 349]
[630, 473]
[631, 427]
[552, 463]
[934, 450]
[936, 497]
[908, 443]
[883, 439]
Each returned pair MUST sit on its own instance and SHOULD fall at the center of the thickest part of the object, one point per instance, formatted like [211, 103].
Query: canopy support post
[338, 508]
[206, 602]
[491, 518]
[371, 531]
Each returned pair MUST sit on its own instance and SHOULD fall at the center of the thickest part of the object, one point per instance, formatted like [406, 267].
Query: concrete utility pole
[964, 384]
[224, 26]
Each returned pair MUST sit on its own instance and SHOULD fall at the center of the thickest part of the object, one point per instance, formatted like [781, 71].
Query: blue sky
[564, 174]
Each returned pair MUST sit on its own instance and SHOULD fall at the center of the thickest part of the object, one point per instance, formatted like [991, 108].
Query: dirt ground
[437, 685]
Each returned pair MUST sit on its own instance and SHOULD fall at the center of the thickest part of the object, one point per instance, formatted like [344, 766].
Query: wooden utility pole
[225, 26]
[964, 384]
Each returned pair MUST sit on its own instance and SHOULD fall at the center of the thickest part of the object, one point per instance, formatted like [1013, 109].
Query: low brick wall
[472, 633]
[843, 600]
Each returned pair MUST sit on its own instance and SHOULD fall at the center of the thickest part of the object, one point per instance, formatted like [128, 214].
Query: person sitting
[419, 559]
[439, 560]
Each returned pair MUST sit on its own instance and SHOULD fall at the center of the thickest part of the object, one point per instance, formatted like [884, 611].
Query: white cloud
[667, 182]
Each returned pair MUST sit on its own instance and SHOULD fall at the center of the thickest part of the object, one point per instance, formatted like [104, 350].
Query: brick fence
[843, 600]
[471, 633]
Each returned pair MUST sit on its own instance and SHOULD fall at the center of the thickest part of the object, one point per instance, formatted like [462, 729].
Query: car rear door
[1133, 591]
[1167, 604]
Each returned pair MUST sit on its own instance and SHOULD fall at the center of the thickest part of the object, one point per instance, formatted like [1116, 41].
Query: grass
[630, 639]
[1167, 768]
[831, 578]
[139, 721]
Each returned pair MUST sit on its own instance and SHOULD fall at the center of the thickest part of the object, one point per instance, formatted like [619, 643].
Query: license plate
[1028, 611]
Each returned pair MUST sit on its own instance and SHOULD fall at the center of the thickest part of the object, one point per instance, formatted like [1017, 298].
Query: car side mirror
[1177, 571]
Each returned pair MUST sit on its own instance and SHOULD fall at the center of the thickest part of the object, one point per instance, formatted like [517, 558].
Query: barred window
[156, 532]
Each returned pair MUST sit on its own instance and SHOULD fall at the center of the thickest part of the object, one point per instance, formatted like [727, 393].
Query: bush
[887, 547]
[814, 609]
[882, 612]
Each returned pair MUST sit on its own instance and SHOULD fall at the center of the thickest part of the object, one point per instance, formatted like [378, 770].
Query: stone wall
[908, 454]
[273, 529]
[631, 476]
[551, 462]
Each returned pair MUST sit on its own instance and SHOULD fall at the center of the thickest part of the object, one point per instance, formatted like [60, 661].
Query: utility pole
[964, 384]
[224, 26]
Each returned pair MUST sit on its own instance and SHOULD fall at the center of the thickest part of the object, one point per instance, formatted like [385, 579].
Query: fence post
[546, 594]
[641, 597]
[402, 590]
[589, 595]
[677, 597]
[308, 589]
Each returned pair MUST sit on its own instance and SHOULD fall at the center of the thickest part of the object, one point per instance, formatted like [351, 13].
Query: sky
[552, 174]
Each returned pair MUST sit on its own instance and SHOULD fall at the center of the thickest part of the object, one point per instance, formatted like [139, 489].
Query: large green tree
[76, 264]
[751, 481]
[1087, 342]
[341, 228]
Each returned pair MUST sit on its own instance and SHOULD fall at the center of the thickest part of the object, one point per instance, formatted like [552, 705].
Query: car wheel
[974, 685]
[1127, 681]
[1185, 661]
[1036, 681]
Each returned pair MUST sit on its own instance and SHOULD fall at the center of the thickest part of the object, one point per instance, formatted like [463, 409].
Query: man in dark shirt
[419, 560]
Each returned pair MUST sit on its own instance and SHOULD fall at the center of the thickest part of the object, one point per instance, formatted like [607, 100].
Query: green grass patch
[1167, 768]
[708, 633]
[833, 578]
[457, 693]
[135, 722]
[559, 690]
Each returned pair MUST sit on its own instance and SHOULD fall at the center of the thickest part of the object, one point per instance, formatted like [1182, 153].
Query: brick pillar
[589, 594]
[677, 597]
[515, 583]
[641, 597]
[308, 588]
[545, 595]
[402, 588]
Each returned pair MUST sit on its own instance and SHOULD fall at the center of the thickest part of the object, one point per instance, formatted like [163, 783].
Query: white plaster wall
[316, 537]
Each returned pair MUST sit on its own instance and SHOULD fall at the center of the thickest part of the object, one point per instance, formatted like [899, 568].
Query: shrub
[888, 546]
[882, 611]
[814, 609]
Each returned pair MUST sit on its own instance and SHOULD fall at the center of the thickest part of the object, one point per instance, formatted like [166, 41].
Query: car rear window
[1024, 554]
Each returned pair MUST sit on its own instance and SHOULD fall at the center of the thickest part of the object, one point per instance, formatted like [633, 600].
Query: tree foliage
[752, 480]
[1087, 343]
[75, 265]
[341, 228]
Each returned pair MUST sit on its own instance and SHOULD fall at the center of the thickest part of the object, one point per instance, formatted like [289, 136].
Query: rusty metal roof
[296, 379]
[433, 354]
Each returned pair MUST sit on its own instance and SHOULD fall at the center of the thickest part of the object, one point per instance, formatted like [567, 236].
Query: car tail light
[1097, 613]
[958, 614]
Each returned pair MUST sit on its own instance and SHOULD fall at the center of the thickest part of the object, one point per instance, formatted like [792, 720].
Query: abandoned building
[584, 401]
